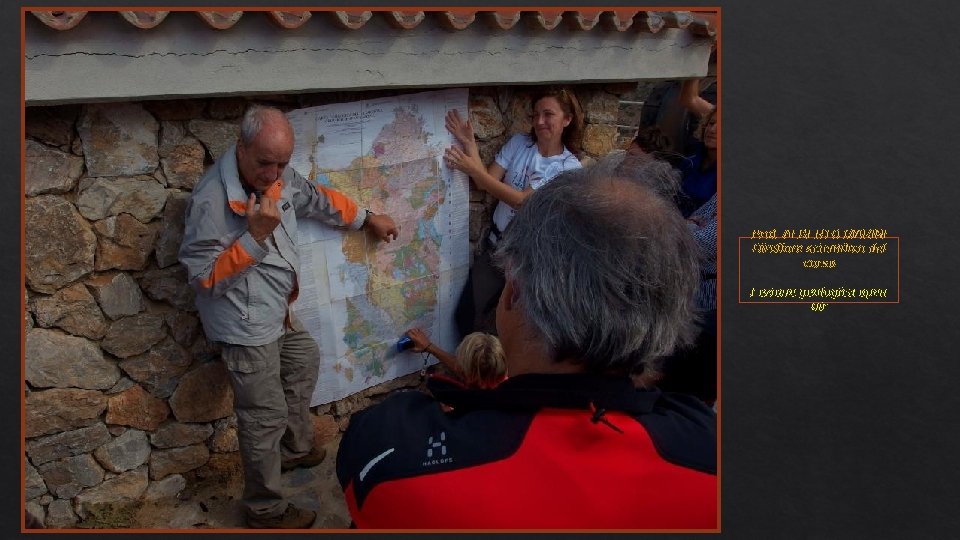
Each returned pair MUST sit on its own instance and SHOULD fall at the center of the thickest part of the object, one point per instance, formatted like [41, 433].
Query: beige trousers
[272, 387]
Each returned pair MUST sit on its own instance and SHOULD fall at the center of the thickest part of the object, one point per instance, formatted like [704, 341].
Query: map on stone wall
[358, 296]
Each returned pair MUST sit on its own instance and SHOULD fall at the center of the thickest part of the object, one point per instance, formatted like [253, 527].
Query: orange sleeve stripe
[342, 203]
[239, 207]
[232, 261]
[274, 190]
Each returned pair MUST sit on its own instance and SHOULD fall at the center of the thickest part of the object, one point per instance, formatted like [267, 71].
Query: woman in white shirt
[525, 163]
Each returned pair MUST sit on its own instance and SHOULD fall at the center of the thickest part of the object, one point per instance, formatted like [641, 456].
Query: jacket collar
[236, 194]
[565, 391]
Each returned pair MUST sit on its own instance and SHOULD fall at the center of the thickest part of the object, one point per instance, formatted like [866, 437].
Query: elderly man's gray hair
[253, 119]
[604, 267]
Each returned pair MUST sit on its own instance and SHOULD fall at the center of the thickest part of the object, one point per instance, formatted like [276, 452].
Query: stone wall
[124, 394]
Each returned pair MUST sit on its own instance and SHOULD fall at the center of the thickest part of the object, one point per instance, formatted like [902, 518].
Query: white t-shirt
[526, 167]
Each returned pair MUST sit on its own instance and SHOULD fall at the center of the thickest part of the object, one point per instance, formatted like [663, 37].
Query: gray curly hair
[604, 266]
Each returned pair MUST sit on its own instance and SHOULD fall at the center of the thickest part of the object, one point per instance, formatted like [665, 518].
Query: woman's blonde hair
[481, 360]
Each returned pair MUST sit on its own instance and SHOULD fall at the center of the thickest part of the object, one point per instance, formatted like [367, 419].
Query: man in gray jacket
[240, 252]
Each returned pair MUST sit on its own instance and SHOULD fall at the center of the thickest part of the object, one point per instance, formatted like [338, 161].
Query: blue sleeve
[706, 234]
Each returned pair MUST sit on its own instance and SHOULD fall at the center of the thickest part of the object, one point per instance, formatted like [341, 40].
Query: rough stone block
[119, 139]
[52, 125]
[124, 489]
[125, 243]
[599, 107]
[33, 485]
[163, 463]
[60, 244]
[171, 229]
[36, 514]
[216, 135]
[48, 170]
[128, 451]
[66, 477]
[118, 294]
[168, 488]
[169, 285]
[66, 444]
[133, 335]
[60, 515]
[203, 395]
[73, 309]
[142, 197]
[176, 434]
[485, 117]
[184, 164]
[159, 369]
[136, 408]
[599, 139]
[184, 327]
[56, 410]
[57, 360]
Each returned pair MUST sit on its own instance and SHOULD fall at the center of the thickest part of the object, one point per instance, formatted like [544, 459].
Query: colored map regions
[359, 295]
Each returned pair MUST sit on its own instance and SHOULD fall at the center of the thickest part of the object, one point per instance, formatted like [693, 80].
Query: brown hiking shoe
[314, 458]
[291, 518]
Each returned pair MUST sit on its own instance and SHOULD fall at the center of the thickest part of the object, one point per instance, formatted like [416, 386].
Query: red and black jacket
[538, 452]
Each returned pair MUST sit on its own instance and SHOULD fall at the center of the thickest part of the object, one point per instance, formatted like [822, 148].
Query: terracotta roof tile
[704, 24]
[404, 20]
[676, 19]
[699, 23]
[457, 19]
[60, 20]
[649, 21]
[543, 19]
[144, 19]
[351, 20]
[619, 20]
[220, 20]
[582, 20]
[290, 19]
[503, 19]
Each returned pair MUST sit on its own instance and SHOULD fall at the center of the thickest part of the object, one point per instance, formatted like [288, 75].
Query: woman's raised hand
[467, 162]
[460, 129]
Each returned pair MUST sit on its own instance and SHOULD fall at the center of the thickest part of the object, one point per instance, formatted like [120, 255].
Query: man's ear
[510, 296]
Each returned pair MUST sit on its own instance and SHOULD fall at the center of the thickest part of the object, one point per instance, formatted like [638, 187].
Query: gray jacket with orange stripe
[243, 290]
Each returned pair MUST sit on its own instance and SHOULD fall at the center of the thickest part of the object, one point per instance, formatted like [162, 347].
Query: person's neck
[530, 356]
[711, 157]
[248, 189]
[550, 148]
[547, 367]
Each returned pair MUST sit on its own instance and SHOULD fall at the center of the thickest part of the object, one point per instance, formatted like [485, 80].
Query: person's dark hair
[652, 140]
[604, 268]
[572, 134]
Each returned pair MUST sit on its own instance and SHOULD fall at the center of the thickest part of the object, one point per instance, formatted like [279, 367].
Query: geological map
[358, 296]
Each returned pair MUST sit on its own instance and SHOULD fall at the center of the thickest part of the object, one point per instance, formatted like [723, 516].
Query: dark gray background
[841, 424]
